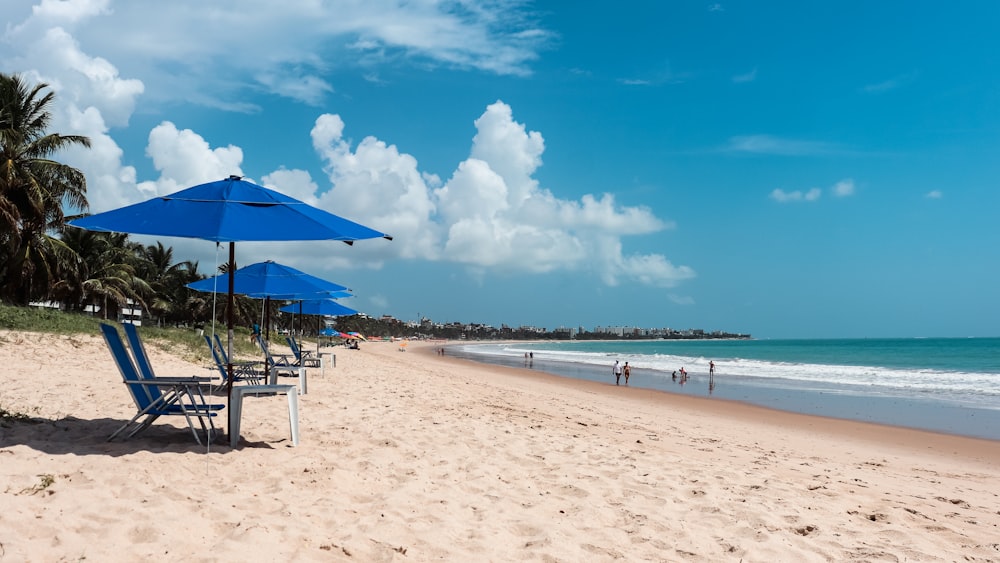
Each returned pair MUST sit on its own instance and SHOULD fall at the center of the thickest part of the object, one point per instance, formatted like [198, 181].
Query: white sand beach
[408, 456]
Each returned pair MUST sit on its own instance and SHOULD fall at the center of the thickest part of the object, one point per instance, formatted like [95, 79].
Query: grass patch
[42, 319]
[184, 342]
[46, 481]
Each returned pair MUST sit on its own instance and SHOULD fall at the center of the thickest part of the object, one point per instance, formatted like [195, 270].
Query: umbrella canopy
[228, 210]
[325, 307]
[270, 279]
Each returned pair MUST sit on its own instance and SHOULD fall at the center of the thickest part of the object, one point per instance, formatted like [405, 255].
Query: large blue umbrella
[229, 210]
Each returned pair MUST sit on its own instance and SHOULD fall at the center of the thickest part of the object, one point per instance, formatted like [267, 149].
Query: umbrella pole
[267, 324]
[229, 329]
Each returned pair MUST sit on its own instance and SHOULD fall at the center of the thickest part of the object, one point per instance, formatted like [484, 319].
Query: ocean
[949, 385]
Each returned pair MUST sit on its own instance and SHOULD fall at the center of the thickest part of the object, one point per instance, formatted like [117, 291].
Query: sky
[784, 169]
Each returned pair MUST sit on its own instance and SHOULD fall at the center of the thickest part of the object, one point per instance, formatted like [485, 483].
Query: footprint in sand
[806, 530]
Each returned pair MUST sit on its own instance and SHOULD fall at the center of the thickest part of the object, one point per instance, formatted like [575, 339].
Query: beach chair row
[182, 396]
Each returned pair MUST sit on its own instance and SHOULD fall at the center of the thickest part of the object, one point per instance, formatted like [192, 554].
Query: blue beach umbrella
[318, 307]
[229, 210]
[323, 307]
[270, 279]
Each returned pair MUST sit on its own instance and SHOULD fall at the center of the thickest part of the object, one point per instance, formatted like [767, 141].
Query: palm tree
[246, 311]
[33, 190]
[168, 280]
[106, 273]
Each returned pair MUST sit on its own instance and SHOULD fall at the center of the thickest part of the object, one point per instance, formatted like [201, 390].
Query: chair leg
[293, 415]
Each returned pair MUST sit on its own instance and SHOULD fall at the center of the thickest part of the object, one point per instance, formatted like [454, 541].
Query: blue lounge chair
[155, 397]
[303, 358]
[248, 372]
[139, 354]
[278, 364]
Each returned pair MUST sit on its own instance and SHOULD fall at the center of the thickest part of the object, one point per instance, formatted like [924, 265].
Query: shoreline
[914, 439]
[925, 414]
[408, 456]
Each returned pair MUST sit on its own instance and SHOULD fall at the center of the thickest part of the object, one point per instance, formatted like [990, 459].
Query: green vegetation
[33, 190]
[45, 481]
[184, 342]
[40, 319]
[44, 260]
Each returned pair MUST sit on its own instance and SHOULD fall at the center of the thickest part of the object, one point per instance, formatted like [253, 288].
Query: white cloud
[184, 159]
[183, 51]
[491, 212]
[890, 84]
[785, 197]
[377, 185]
[746, 77]
[70, 10]
[768, 144]
[934, 194]
[681, 299]
[843, 188]
[296, 183]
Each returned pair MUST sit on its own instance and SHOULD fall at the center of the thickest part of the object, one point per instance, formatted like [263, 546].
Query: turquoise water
[945, 384]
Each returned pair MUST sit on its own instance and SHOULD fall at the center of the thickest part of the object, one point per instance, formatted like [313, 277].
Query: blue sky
[788, 170]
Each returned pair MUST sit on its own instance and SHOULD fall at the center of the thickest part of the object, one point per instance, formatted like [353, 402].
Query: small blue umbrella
[228, 210]
[270, 279]
[324, 307]
[319, 307]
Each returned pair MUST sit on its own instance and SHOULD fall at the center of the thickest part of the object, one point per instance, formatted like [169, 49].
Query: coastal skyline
[780, 170]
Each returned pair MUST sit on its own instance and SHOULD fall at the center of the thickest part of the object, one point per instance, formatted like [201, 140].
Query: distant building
[130, 313]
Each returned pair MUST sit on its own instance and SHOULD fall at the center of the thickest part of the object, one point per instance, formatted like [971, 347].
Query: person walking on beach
[711, 367]
[617, 370]
[626, 371]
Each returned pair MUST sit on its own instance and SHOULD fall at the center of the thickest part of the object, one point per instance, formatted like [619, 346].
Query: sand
[407, 456]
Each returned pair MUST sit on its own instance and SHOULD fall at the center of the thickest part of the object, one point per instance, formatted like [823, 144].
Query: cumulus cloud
[377, 185]
[491, 213]
[283, 48]
[843, 188]
[797, 195]
[184, 158]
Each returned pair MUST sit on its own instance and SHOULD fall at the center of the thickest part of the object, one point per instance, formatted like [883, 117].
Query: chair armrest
[191, 380]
